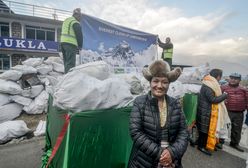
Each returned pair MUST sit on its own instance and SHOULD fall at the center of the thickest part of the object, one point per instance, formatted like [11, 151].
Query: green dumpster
[91, 139]
[190, 108]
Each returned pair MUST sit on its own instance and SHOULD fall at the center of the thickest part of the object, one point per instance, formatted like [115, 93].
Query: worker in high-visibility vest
[71, 39]
[167, 47]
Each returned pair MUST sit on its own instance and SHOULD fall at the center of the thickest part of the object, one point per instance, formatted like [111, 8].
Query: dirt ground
[32, 121]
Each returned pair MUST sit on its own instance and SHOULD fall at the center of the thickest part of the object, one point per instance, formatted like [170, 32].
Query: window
[4, 29]
[4, 62]
[40, 33]
[50, 35]
[30, 34]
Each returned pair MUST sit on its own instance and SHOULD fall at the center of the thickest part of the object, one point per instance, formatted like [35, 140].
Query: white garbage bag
[244, 137]
[40, 129]
[194, 75]
[11, 75]
[58, 67]
[55, 74]
[33, 62]
[79, 92]
[32, 92]
[192, 88]
[21, 100]
[134, 82]
[9, 87]
[51, 60]
[176, 89]
[12, 129]
[25, 69]
[98, 69]
[44, 69]
[4, 99]
[38, 105]
[10, 111]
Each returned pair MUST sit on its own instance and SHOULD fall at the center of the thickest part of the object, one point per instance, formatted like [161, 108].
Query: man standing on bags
[71, 39]
[236, 103]
[167, 50]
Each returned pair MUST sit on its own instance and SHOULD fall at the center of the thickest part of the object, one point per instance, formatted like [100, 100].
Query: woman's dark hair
[216, 72]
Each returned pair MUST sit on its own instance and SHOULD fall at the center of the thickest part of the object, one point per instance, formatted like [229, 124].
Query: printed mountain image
[121, 55]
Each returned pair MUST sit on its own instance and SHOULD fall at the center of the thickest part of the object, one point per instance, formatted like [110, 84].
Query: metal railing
[33, 10]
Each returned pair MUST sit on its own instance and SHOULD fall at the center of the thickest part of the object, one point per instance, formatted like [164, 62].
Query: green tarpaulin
[94, 139]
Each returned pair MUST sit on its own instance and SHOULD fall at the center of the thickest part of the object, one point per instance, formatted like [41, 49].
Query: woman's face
[159, 86]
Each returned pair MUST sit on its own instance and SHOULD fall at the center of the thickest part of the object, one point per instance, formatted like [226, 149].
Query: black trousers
[202, 139]
[236, 128]
[169, 61]
[69, 55]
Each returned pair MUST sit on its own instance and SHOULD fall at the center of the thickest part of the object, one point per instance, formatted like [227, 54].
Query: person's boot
[219, 146]
[205, 151]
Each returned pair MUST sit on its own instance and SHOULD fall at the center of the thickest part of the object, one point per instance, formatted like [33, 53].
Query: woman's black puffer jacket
[205, 100]
[145, 131]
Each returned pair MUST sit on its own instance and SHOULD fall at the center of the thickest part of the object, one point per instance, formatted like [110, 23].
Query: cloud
[192, 36]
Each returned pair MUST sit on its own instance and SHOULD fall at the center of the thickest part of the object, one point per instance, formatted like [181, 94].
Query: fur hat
[161, 68]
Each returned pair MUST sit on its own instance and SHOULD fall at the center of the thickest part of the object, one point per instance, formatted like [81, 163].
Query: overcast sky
[201, 30]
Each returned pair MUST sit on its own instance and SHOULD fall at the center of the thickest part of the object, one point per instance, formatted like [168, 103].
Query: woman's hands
[165, 159]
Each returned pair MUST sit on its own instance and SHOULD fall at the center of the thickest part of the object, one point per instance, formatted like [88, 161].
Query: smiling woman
[157, 123]
[159, 86]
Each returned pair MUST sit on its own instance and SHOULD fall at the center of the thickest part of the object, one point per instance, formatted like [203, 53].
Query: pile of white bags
[194, 75]
[33, 100]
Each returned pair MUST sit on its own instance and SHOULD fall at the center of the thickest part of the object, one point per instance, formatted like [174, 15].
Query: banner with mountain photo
[125, 49]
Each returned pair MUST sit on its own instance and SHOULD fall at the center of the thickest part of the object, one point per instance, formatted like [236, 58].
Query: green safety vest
[68, 34]
[167, 53]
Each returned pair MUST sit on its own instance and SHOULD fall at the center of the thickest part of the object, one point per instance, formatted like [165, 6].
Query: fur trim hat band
[161, 68]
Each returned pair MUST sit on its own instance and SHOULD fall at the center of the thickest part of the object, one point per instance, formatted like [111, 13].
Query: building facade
[28, 31]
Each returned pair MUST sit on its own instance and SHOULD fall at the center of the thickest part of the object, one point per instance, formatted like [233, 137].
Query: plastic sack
[40, 129]
[25, 69]
[244, 137]
[134, 82]
[9, 87]
[176, 89]
[98, 69]
[51, 60]
[12, 129]
[11, 75]
[21, 100]
[58, 67]
[32, 92]
[38, 105]
[80, 92]
[34, 62]
[10, 111]
[4, 99]
[44, 69]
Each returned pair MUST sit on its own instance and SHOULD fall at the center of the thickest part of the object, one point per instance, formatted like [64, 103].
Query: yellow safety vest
[68, 34]
[167, 53]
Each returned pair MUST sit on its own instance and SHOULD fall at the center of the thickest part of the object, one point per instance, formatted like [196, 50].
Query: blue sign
[28, 44]
[117, 45]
